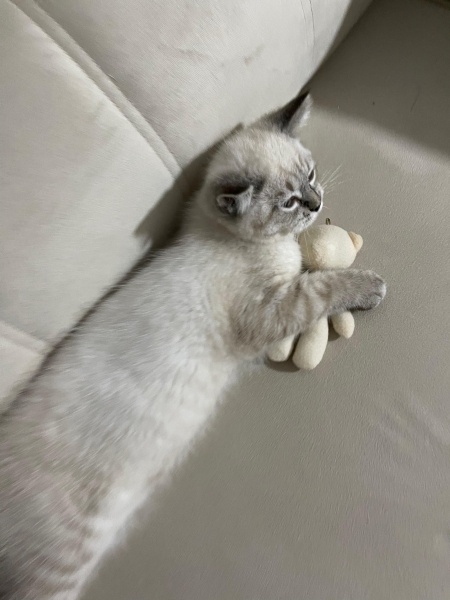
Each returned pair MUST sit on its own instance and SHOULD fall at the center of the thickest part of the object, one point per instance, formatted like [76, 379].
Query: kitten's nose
[313, 201]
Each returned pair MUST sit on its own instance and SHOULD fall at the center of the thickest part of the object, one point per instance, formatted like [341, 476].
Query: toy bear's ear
[357, 240]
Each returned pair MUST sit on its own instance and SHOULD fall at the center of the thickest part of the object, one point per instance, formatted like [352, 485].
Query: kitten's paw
[372, 291]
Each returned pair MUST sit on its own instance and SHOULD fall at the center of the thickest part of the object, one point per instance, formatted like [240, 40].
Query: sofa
[332, 484]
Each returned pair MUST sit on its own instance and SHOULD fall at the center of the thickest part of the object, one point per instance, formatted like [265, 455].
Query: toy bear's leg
[311, 345]
[281, 351]
[344, 324]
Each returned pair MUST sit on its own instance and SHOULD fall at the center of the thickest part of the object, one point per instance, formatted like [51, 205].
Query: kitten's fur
[120, 402]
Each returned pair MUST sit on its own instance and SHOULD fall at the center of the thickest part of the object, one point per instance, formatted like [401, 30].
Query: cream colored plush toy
[323, 247]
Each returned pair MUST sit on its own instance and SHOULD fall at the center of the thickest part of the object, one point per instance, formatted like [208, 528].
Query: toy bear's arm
[344, 324]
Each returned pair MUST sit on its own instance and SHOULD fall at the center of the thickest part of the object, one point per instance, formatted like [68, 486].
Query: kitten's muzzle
[312, 201]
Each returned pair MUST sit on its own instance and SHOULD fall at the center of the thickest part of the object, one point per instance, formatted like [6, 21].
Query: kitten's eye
[290, 204]
[312, 175]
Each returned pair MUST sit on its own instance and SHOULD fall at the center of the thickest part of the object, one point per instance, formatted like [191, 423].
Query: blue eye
[290, 204]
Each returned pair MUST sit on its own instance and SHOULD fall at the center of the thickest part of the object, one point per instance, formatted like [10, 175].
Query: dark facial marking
[236, 183]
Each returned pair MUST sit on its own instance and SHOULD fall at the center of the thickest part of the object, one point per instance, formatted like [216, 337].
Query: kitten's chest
[285, 259]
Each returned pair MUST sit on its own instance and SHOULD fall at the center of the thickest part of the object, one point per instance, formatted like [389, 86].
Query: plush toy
[323, 247]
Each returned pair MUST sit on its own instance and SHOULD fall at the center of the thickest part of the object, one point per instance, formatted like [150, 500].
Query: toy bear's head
[329, 247]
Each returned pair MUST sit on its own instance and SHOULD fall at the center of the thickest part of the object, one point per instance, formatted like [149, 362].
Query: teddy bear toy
[323, 247]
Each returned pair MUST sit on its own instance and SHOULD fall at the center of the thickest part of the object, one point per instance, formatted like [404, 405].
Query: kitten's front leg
[351, 289]
[325, 293]
[290, 308]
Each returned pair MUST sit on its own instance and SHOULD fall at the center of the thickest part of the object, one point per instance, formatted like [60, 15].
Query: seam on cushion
[100, 79]
[19, 337]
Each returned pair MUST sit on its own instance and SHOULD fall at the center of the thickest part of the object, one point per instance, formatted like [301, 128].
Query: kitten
[120, 402]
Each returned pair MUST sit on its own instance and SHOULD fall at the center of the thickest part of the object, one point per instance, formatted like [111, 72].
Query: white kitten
[120, 402]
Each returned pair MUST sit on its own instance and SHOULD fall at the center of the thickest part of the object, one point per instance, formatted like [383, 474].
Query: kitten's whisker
[330, 181]
[330, 176]
[337, 170]
[330, 188]
[330, 185]
[334, 178]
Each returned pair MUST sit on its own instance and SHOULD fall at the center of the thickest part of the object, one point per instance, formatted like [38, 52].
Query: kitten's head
[262, 182]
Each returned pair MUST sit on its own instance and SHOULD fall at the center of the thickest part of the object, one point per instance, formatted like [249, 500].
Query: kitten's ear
[291, 117]
[234, 202]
